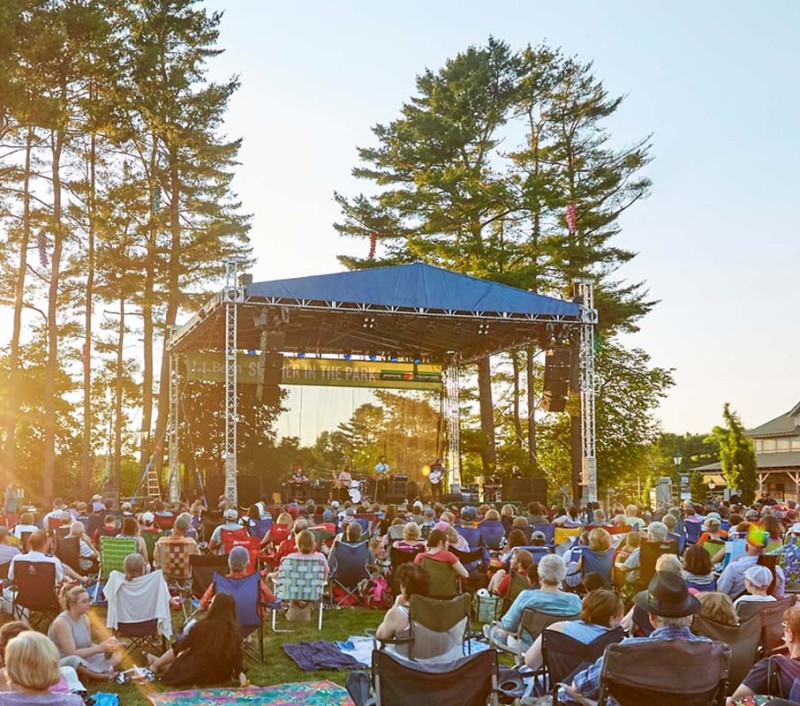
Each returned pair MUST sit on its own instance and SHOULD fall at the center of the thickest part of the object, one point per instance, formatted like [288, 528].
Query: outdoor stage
[416, 313]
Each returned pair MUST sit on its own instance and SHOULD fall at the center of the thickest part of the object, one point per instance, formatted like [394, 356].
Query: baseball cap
[97, 497]
[231, 514]
[148, 517]
[335, 504]
[126, 506]
[759, 576]
[538, 534]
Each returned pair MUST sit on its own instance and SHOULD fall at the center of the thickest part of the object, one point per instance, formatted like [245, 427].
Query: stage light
[483, 328]
[301, 355]
[426, 471]
[347, 356]
[369, 322]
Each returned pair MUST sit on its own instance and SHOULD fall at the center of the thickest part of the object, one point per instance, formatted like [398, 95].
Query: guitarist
[436, 480]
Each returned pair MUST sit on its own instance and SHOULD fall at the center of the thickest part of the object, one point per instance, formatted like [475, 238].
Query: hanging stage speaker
[272, 368]
[556, 379]
[525, 490]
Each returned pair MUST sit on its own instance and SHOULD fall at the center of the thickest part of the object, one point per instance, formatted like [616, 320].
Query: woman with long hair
[210, 653]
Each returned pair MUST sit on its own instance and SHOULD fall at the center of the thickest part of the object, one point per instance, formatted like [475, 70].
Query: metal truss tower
[173, 424]
[233, 295]
[585, 290]
[452, 415]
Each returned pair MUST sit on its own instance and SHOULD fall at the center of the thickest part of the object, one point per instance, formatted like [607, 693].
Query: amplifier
[525, 489]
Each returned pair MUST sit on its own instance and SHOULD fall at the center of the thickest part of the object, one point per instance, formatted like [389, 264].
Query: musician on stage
[382, 472]
[342, 482]
[436, 480]
[298, 476]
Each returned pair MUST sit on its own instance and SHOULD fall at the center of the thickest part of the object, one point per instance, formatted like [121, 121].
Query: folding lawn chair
[204, 566]
[174, 559]
[350, 566]
[532, 624]
[549, 532]
[299, 579]
[667, 672]
[113, 551]
[564, 656]
[247, 595]
[150, 540]
[35, 592]
[68, 551]
[258, 528]
[228, 537]
[138, 610]
[743, 640]
[444, 581]
[692, 529]
[469, 681]
[771, 616]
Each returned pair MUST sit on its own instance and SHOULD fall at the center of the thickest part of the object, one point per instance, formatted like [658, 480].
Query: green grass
[277, 667]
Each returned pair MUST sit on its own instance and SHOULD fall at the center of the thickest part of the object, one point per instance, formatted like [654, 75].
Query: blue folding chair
[692, 530]
[349, 566]
[679, 538]
[549, 532]
[246, 592]
[259, 528]
[537, 552]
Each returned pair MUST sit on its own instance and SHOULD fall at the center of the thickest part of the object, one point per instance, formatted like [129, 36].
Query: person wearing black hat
[670, 608]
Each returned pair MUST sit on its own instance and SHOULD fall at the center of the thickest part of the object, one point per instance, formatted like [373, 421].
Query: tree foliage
[737, 455]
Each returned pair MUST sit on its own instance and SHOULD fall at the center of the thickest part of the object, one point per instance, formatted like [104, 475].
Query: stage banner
[328, 372]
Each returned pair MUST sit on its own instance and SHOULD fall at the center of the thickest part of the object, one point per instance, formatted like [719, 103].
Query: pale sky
[715, 82]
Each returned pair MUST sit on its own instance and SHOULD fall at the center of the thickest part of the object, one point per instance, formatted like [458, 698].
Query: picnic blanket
[315, 693]
[320, 654]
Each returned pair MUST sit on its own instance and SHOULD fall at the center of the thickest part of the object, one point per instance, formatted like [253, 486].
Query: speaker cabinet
[525, 490]
[557, 366]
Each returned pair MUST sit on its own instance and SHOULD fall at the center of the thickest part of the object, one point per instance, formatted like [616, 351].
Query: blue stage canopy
[417, 286]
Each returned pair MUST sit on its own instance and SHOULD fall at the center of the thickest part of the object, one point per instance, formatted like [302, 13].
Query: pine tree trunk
[173, 300]
[147, 314]
[86, 456]
[515, 362]
[530, 367]
[118, 419]
[489, 455]
[12, 402]
[51, 369]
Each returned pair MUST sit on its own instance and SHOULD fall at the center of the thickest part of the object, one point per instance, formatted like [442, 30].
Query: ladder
[152, 485]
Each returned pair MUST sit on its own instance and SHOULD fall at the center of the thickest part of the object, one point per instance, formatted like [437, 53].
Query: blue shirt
[587, 682]
[731, 581]
[545, 601]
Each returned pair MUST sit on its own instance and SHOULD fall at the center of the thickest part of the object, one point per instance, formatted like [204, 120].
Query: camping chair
[258, 528]
[473, 562]
[771, 562]
[366, 521]
[564, 656]
[518, 584]
[438, 629]
[493, 534]
[599, 562]
[138, 610]
[771, 614]
[533, 623]
[174, 559]
[536, 552]
[565, 534]
[203, 568]
[113, 551]
[469, 681]
[398, 557]
[444, 581]
[164, 522]
[648, 556]
[743, 640]
[228, 537]
[150, 539]
[25, 542]
[299, 580]
[35, 591]
[549, 532]
[246, 592]
[68, 551]
[692, 530]
[349, 568]
[665, 672]
[713, 547]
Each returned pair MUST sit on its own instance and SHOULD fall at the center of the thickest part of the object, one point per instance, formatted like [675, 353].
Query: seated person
[757, 679]
[697, 569]
[210, 653]
[71, 633]
[231, 524]
[7, 551]
[88, 555]
[38, 544]
[31, 669]
[67, 684]
[718, 607]
[756, 582]
[411, 540]
[670, 608]
[107, 529]
[436, 549]
[238, 564]
[731, 580]
[130, 530]
[548, 599]
[656, 533]
[25, 524]
[306, 545]
[412, 580]
[602, 610]
[522, 563]
[172, 554]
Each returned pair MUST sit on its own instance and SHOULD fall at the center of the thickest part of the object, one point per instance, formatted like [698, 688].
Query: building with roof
[777, 447]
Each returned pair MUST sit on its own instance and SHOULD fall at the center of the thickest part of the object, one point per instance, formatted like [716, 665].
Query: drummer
[343, 481]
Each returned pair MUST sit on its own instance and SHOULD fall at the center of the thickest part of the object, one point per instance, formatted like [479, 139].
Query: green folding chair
[113, 551]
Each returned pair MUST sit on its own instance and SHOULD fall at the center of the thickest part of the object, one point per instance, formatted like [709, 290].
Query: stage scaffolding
[402, 311]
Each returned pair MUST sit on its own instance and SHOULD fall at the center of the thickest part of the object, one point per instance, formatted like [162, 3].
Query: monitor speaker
[525, 490]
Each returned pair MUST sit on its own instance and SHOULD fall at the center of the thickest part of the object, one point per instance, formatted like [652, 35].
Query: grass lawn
[277, 667]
